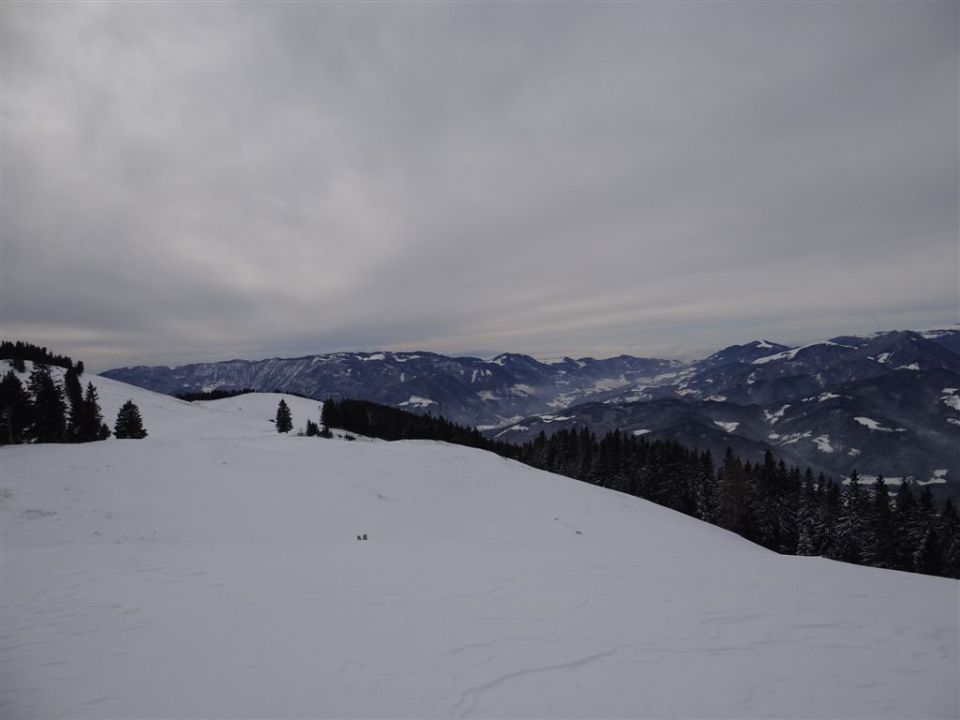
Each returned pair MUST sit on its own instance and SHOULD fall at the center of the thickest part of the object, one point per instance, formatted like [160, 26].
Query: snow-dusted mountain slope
[212, 570]
[802, 405]
[464, 389]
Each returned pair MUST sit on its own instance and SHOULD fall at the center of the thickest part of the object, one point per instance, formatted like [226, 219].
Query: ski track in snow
[468, 700]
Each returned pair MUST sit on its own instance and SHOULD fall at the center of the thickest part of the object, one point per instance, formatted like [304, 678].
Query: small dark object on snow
[358, 537]
[364, 536]
[579, 533]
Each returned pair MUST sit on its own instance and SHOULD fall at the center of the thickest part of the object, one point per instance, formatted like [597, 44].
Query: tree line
[50, 410]
[782, 508]
[779, 507]
[18, 352]
[388, 423]
[212, 394]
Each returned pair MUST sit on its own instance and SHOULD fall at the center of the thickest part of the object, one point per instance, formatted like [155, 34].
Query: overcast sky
[202, 181]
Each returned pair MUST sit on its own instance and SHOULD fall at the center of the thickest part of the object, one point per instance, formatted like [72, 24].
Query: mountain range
[884, 404]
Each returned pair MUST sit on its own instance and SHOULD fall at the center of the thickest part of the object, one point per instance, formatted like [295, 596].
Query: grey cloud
[194, 181]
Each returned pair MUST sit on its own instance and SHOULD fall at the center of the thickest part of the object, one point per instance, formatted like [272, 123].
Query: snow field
[219, 575]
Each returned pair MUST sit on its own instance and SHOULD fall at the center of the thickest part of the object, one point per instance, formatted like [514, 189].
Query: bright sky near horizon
[202, 181]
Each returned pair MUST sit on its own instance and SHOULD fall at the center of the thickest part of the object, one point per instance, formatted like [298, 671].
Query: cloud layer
[210, 180]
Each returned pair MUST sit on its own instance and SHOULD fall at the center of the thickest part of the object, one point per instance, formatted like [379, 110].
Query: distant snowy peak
[817, 348]
[747, 353]
[910, 351]
[948, 338]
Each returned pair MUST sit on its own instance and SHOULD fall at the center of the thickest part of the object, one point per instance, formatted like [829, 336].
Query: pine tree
[313, 430]
[807, 540]
[329, 415]
[734, 496]
[705, 499]
[878, 547]
[15, 409]
[91, 425]
[850, 524]
[284, 420]
[949, 527]
[930, 556]
[129, 424]
[910, 530]
[830, 510]
[74, 393]
[49, 408]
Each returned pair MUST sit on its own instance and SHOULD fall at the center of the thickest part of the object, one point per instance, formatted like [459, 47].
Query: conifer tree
[734, 499]
[283, 420]
[705, 500]
[91, 425]
[929, 558]
[829, 518]
[807, 540]
[329, 414]
[878, 543]
[15, 409]
[49, 408]
[849, 527]
[910, 527]
[129, 424]
[949, 527]
[74, 393]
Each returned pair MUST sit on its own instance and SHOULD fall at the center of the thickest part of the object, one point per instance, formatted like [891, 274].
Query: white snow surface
[939, 477]
[872, 424]
[212, 570]
[823, 443]
[259, 407]
[772, 417]
[726, 426]
[950, 398]
[417, 401]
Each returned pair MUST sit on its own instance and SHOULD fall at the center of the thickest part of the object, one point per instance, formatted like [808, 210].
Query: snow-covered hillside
[167, 417]
[212, 570]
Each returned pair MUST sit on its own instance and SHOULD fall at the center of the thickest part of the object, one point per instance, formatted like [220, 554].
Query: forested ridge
[51, 410]
[782, 508]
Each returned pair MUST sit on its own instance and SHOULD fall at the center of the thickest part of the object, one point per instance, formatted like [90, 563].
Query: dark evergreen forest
[20, 351]
[213, 394]
[782, 508]
[48, 410]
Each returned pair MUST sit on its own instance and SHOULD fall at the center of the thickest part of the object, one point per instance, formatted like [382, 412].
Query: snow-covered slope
[212, 570]
[167, 417]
